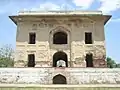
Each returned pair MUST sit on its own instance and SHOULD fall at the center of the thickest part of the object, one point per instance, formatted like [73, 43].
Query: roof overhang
[107, 17]
[16, 18]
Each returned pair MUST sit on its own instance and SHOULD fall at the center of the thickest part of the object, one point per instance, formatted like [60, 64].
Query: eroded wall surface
[74, 76]
[44, 49]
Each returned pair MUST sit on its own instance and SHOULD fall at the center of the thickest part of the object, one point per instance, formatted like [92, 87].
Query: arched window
[89, 60]
[60, 38]
[59, 58]
[59, 79]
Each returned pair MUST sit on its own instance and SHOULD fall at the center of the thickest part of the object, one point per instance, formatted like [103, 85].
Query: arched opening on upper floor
[60, 38]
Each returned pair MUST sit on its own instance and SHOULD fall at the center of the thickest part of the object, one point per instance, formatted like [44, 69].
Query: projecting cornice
[58, 14]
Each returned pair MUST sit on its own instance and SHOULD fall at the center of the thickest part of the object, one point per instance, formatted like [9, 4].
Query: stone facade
[74, 73]
[74, 25]
[74, 76]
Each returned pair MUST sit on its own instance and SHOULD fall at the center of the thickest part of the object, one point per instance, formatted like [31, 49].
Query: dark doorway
[59, 79]
[59, 56]
[31, 60]
[88, 38]
[32, 38]
[89, 60]
[60, 38]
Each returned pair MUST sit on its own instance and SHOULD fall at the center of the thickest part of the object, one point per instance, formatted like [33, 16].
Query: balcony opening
[59, 79]
[60, 59]
[31, 60]
[89, 60]
[88, 38]
[60, 38]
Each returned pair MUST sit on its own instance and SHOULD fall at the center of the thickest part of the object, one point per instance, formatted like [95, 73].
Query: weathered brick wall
[73, 76]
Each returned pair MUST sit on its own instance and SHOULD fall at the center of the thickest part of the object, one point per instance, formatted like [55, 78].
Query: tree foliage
[6, 56]
[118, 65]
[111, 63]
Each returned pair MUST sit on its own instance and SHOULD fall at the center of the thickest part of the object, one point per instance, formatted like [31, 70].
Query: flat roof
[59, 12]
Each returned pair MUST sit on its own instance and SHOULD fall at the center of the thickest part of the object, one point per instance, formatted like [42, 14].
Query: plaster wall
[44, 49]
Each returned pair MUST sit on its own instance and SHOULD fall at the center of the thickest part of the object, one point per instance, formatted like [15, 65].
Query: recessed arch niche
[59, 79]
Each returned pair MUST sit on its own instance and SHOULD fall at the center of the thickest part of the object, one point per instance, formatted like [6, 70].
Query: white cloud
[108, 6]
[18, 6]
[49, 6]
[12, 7]
[84, 4]
[8, 8]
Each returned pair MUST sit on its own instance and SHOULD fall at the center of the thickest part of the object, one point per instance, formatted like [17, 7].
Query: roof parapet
[60, 13]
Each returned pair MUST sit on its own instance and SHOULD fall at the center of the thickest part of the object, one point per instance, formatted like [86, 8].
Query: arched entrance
[60, 57]
[60, 38]
[59, 79]
[89, 60]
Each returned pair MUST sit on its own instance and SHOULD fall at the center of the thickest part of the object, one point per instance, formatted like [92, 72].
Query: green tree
[6, 56]
[117, 65]
[110, 63]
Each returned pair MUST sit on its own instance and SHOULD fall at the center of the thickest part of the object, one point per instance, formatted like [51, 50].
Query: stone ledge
[38, 85]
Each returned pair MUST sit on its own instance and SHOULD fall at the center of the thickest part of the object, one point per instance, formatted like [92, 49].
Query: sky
[110, 7]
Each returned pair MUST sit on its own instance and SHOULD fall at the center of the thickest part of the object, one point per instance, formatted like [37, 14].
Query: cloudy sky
[112, 28]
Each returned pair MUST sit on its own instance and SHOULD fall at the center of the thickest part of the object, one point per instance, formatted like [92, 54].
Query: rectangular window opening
[88, 38]
[31, 60]
[32, 38]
